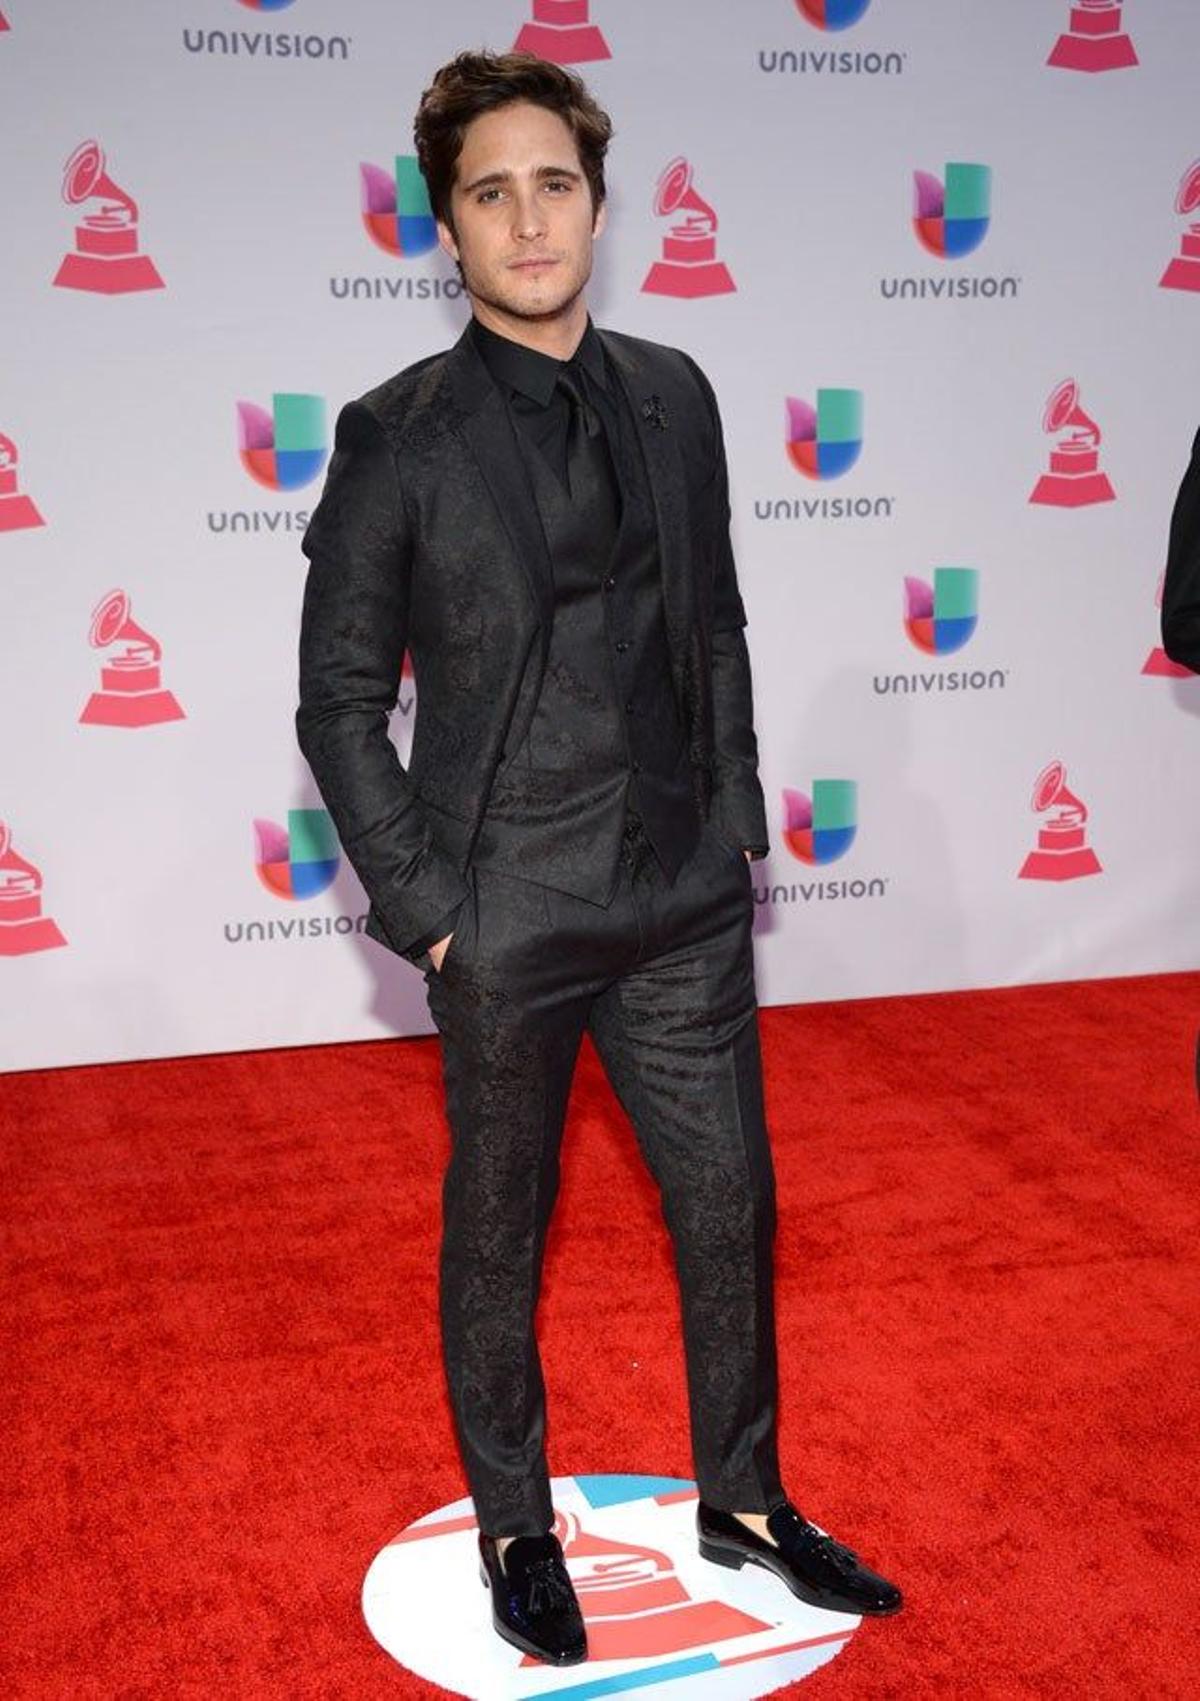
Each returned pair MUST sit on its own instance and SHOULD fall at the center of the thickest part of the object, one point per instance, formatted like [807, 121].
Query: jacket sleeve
[1181, 586]
[737, 805]
[352, 639]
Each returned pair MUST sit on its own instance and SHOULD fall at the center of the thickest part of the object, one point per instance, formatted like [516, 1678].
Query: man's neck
[558, 337]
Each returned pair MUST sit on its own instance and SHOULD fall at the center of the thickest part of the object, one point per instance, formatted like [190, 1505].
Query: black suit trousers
[663, 978]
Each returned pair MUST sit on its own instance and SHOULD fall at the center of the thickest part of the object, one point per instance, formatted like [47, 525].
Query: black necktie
[587, 462]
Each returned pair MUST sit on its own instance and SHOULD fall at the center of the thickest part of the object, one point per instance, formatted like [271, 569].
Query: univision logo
[398, 218]
[265, 44]
[286, 448]
[831, 17]
[299, 861]
[283, 449]
[940, 618]
[823, 442]
[951, 216]
[819, 827]
[294, 864]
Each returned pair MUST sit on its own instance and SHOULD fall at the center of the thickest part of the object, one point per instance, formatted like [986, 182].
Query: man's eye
[486, 194]
[557, 183]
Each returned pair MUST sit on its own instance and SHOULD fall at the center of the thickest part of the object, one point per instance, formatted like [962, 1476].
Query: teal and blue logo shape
[820, 826]
[941, 617]
[951, 218]
[825, 441]
[299, 861]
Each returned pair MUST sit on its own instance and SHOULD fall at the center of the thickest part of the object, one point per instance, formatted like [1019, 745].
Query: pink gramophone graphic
[1074, 479]
[1184, 270]
[560, 31]
[1062, 851]
[1158, 663]
[106, 260]
[1095, 39]
[23, 927]
[131, 691]
[633, 1603]
[689, 267]
[16, 510]
[3, 22]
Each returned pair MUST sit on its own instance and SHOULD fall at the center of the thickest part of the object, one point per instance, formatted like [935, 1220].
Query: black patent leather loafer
[814, 1566]
[533, 1602]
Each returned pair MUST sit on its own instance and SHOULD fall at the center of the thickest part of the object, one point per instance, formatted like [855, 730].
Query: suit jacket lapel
[663, 460]
[484, 424]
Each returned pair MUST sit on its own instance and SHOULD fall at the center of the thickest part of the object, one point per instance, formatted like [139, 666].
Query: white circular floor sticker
[658, 1616]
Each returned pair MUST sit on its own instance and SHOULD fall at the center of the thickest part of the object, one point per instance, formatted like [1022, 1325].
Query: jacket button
[610, 584]
[622, 645]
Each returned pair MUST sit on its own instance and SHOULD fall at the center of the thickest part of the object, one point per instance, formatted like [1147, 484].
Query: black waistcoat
[603, 735]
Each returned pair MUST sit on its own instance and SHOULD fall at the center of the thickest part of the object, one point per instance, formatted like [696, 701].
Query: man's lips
[533, 265]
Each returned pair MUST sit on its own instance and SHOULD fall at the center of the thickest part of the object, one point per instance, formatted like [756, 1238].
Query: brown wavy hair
[474, 83]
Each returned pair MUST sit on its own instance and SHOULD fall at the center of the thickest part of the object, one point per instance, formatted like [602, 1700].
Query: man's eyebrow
[492, 177]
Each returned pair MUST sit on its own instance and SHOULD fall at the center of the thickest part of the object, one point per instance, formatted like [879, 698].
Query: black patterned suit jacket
[427, 537]
[1181, 586]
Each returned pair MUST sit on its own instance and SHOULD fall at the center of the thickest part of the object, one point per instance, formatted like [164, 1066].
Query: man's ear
[445, 237]
[601, 218]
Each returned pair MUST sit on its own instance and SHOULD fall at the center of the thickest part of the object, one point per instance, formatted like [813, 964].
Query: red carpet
[224, 1392]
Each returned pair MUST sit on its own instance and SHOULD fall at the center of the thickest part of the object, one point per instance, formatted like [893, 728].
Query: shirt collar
[528, 370]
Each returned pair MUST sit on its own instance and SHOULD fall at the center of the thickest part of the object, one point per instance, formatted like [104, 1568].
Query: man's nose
[529, 218]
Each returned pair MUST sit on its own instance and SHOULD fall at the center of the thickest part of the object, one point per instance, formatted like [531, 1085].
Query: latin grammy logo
[106, 260]
[1062, 852]
[689, 267]
[16, 511]
[1094, 40]
[4, 24]
[632, 1600]
[1074, 479]
[560, 31]
[1184, 270]
[1158, 663]
[131, 691]
[23, 927]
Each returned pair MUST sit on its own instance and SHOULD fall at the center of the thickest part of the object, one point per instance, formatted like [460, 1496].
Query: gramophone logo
[396, 209]
[23, 927]
[942, 617]
[629, 1545]
[1184, 270]
[286, 448]
[951, 218]
[821, 827]
[689, 267]
[131, 691]
[299, 861]
[832, 14]
[266, 5]
[1062, 852]
[1075, 479]
[1095, 39]
[561, 31]
[106, 260]
[16, 511]
[826, 440]
[3, 22]
[1158, 663]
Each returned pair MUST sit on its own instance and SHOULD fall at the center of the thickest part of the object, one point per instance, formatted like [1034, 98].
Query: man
[1181, 583]
[541, 517]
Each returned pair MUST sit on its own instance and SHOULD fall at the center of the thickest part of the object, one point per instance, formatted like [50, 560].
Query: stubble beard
[491, 293]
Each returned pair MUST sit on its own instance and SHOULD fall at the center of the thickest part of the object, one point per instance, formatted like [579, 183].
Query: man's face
[523, 226]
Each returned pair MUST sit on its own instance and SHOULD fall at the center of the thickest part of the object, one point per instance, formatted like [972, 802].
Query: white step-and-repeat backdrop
[941, 259]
